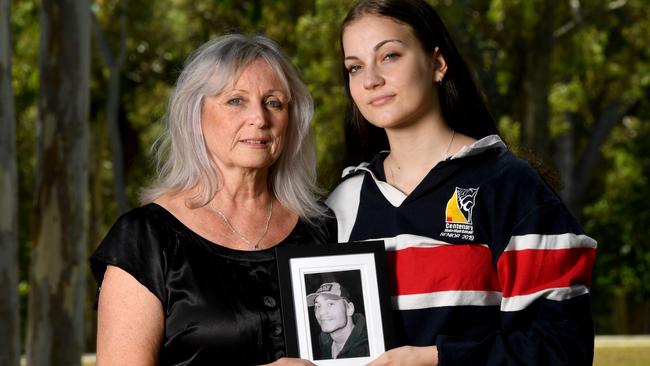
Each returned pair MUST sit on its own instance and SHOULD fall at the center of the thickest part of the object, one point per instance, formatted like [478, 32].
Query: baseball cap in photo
[332, 289]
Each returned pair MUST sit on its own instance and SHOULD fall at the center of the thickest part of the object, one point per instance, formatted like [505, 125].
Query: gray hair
[182, 160]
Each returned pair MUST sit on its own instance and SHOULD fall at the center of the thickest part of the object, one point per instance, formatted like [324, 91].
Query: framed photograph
[335, 302]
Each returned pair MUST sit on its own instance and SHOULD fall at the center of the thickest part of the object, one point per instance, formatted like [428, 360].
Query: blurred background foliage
[587, 61]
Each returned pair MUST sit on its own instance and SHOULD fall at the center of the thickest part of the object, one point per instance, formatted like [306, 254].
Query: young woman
[487, 265]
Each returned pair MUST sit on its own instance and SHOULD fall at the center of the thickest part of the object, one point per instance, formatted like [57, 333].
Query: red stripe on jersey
[524, 272]
[454, 267]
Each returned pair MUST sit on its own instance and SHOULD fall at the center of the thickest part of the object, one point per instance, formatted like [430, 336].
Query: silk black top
[221, 305]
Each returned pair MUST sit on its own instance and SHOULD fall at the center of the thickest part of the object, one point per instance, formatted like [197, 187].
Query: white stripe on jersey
[446, 298]
[516, 303]
[550, 242]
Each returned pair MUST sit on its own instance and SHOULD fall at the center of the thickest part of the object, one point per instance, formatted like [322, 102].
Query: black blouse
[221, 305]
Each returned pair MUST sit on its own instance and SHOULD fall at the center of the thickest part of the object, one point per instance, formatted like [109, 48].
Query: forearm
[408, 355]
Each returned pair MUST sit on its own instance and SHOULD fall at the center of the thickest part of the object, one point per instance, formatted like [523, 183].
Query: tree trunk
[611, 115]
[536, 85]
[96, 207]
[114, 65]
[59, 264]
[565, 161]
[620, 318]
[9, 302]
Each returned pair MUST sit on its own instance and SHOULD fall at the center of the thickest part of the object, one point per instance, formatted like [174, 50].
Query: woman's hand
[408, 355]
[290, 362]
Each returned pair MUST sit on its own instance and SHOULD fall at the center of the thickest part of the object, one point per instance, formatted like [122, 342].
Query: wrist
[434, 351]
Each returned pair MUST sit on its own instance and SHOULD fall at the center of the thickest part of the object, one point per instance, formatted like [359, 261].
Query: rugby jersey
[484, 259]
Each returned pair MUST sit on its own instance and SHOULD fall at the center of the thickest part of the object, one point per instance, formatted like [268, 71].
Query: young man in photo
[343, 333]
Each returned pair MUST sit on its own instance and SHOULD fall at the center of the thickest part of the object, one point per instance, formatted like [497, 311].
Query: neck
[244, 206]
[243, 186]
[250, 210]
[415, 149]
[421, 145]
[339, 336]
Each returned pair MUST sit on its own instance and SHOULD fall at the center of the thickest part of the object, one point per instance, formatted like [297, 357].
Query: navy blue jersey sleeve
[544, 263]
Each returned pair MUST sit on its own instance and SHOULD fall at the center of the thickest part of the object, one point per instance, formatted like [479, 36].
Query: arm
[544, 269]
[544, 263]
[408, 355]
[290, 362]
[551, 326]
[130, 322]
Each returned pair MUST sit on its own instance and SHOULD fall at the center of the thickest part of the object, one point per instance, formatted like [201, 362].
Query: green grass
[86, 360]
[622, 351]
[622, 356]
[609, 351]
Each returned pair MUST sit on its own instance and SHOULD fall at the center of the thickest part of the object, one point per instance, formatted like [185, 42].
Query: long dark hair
[461, 102]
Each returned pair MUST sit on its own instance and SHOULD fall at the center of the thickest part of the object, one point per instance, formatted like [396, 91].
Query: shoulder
[321, 230]
[145, 226]
[489, 159]
[511, 164]
[518, 175]
[510, 187]
[145, 222]
[345, 199]
[527, 202]
[136, 243]
[149, 214]
[138, 236]
[350, 185]
[346, 193]
[499, 167]
[344, 202]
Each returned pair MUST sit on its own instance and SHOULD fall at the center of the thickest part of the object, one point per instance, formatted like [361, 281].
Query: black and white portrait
[335, 303]
[336, 315]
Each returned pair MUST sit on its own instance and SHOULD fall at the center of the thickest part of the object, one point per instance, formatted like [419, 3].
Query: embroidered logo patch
[458, 214]
[325, 287]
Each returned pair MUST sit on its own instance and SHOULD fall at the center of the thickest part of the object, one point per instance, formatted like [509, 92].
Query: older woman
[190, 277]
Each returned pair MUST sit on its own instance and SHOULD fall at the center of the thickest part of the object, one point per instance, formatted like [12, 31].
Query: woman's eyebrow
[377, 46]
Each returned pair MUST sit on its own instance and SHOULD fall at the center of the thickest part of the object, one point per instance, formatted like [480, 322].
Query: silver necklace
[453, 133]
[234, 231]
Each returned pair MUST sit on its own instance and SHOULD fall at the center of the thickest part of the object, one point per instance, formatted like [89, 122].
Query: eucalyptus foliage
[597, 95]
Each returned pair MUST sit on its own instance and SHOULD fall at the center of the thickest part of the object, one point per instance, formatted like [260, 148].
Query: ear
[349, 309]
[439, 66]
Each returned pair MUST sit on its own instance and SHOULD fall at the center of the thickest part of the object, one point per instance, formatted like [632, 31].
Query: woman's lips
[255, 142]
[381, 100]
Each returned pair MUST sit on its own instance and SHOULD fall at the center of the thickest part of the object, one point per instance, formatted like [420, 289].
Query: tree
[596, 92]
[618, 218]
[317, 54]
[58, 263]
[114, 63]
[24, 38]
[9, 306]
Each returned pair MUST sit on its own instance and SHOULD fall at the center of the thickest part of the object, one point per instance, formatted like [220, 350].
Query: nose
[372, 78]
[257, 116]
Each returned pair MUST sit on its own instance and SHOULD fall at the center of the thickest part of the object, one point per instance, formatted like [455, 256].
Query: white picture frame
[360, 268]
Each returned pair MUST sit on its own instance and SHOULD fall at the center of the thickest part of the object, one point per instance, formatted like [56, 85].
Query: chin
[385, 123]
[258, 163]
[381, 120]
